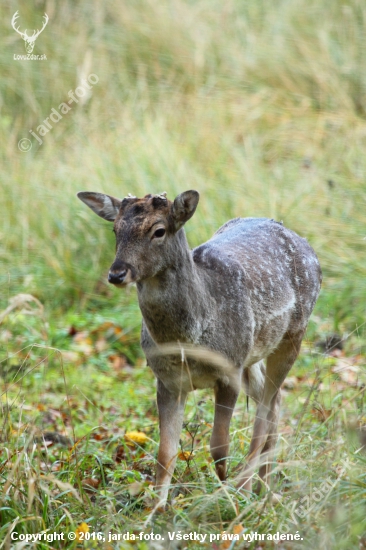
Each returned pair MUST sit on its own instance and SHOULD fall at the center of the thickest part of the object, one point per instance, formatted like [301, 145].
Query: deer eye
[159, 233]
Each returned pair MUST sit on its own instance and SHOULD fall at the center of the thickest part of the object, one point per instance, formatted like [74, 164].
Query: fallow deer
[245, 296]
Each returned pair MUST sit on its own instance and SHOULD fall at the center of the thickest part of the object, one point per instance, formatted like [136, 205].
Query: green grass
[261, 108]
[74, 394]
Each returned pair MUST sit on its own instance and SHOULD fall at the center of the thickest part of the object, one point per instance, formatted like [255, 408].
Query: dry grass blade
[23, 303]
[201, 354]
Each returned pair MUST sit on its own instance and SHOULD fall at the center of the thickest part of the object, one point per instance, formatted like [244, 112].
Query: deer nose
[116, 278]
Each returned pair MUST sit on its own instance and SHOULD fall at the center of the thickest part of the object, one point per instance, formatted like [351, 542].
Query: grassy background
[261, 108]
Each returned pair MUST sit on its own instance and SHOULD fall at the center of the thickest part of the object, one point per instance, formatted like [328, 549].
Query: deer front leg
[171, 411]
[225, 400]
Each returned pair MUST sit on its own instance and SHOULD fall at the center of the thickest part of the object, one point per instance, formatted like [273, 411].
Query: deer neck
[172, 302]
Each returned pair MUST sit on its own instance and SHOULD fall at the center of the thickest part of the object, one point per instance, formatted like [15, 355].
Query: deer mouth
[121, 279]
[120, 276]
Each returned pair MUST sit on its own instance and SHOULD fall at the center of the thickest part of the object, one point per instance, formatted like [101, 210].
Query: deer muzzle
[121, 274]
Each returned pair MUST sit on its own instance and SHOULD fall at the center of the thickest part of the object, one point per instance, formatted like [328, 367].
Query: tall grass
[260, 107]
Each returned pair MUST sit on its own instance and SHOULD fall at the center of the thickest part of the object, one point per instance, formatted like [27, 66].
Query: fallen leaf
[72, 331]
[56, 466]
[135, 488]
[136, 437]
[185, 455]
[70, 356]
[362, 543]
[118, 362]
[101, 345]
[290, 383]
[225, 544]
[90, 484]
[238, 529]
[336, 353]
[321, 414]
[98, 437]
[120, 365]
[82, 337]
[119, 454]
[82, 528]
[84, 342]
[347, 372]
[6, 335]
[287, 430]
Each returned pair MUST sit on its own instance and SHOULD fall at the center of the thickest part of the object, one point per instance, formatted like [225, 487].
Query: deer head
[29, 40]
[145, 231]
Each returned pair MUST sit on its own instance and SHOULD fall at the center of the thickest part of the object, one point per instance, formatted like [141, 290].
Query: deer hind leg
[265, 426]
[171, 412]
[267, 453]
[225, 400]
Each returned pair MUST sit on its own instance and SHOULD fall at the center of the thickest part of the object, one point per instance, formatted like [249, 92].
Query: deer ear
[184, 207]
[105, 206]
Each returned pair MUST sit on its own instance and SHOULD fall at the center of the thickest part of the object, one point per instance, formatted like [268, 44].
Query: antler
[24, 34]
[44, 24]
[161, 195]
[13, 21]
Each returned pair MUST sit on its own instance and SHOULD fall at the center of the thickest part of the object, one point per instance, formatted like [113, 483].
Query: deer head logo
[29, 40]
